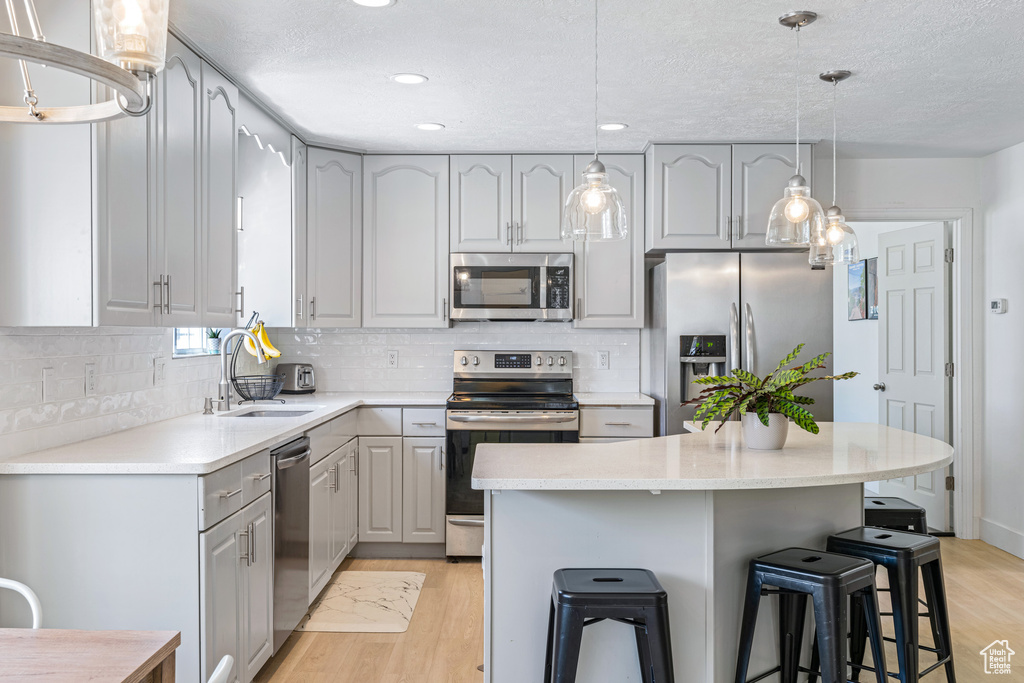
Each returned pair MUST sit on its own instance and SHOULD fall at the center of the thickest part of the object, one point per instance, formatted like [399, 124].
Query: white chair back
[223, 670]
[33, 600]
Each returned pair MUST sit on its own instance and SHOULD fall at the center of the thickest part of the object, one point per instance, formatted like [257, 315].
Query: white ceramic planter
[213, 344]
[761, 438]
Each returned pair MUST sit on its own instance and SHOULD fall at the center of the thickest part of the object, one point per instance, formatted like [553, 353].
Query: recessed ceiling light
[430, 126]
[613, 126]
[409, 79]
[374, 3]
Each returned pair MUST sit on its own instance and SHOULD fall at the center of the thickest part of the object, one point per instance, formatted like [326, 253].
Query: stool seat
[894, 513]
[814, 566]
[607, 587]
[879, 544]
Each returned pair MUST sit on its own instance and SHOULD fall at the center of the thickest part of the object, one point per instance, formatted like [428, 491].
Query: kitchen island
[693, 508]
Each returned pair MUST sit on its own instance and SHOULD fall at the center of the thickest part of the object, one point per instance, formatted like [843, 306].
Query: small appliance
[298, 378]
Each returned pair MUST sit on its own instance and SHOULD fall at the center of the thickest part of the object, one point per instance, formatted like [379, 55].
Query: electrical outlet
[159, 369]
[90, 379]
[49, 385]
[392, 359]
[602, 360]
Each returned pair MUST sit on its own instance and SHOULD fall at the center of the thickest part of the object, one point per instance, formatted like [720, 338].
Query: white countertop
[199, 444]
[843, 453]
[613, 399]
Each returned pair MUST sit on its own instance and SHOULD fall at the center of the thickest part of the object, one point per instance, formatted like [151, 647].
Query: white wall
[1002, 467]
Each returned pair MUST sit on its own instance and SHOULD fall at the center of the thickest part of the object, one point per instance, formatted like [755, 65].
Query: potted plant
[213, 340]
[764, 405]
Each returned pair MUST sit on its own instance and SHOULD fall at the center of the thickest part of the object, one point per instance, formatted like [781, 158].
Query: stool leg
[643, 651]
[935, 591]
[751, 600]
[903, 589]
[858, 637]
[815, 659]
[792, 612]
[568, 636]
[551, 638]
[830, 609]
[659, 640]
[872, 622]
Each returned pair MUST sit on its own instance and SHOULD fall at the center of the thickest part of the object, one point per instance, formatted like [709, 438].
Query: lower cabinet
[423, 489]
[332, 511]
[401, 489]
[237, 591]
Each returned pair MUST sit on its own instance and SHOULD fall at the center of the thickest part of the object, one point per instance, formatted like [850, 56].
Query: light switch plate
[49, 385]
[90, 379]
[602, 360]
[159, 369]
[392, 359]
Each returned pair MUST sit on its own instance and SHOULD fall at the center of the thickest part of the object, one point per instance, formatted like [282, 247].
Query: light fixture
[374, 3]
[796, 219]
[593, 210]
[613, 126]
[409, 79]
[131, 38]
[430, 126]
[838, 244]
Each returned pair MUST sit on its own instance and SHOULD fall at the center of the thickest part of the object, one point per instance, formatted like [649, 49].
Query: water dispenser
[700, 355]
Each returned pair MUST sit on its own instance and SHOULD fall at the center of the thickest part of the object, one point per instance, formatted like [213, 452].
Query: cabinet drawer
[617, 422]
[380, 422]
[256, 473]
[220, 494]
[423, 422]
[332, 435]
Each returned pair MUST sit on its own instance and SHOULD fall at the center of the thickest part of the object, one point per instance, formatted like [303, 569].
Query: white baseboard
[1002, 537]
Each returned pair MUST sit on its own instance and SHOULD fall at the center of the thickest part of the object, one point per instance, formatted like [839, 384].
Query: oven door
[511, 286]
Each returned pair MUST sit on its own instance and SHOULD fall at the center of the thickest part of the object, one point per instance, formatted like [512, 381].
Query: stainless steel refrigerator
[763, 304]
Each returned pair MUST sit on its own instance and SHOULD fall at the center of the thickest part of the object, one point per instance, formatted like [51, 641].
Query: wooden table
[59, 655]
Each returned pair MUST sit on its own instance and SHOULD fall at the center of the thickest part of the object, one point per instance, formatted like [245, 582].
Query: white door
[759, 175]
[319, 525]
[380, 489]
[423, 490]
[481, 203]
[541, 184]
[690, 196]
[258, 634]
[221, 594]
[913, 312]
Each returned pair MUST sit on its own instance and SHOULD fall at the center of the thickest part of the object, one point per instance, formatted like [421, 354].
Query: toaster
[298, 378]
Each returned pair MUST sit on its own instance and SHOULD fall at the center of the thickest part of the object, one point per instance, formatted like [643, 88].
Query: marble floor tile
[366, 602]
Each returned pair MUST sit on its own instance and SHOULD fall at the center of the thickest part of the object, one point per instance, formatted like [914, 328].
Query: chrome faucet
[224, 395]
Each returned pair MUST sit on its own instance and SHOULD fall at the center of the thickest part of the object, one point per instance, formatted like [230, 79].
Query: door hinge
[950, 483]
[949, 369]
[949, 255]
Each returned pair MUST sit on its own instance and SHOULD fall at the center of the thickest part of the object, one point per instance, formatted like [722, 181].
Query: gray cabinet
[351, 478]
[541, 184]
[610, 275]
[423, 490]
[257, 632]
[380, 489]
[300, 303]
[334, 238]
[405, 241]
[339, 514]
[330, 514]
[221, 595]
[759, 175]
[481, 203]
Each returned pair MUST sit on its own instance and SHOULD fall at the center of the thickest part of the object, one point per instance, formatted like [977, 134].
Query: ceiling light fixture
[430, 126]
[838, 244]
[374, 3]
[131, 37]
[797, 218]
[409, 79]
[613, 126]
[594, 211]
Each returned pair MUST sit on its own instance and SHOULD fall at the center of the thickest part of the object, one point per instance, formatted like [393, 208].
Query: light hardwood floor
[444, 643]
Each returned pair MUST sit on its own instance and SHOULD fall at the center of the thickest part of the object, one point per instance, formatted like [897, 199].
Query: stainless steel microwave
[511, 286]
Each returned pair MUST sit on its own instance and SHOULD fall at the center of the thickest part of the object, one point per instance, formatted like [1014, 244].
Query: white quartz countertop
[613, 399]
[843, 453]
[199, 444]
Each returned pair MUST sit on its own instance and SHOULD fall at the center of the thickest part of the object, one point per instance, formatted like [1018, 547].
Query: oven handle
[535, 419]
[466, 522]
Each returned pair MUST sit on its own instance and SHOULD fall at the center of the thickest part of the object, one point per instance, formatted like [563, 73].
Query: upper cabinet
[504, 202]
[610, 275]
[334, 238]
[300, 299]
[405, 241]
[715, 196]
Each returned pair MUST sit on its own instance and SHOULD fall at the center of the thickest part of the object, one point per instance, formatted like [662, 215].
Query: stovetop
[461, 401]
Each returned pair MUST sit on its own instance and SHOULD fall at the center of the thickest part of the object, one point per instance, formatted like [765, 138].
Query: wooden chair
[31, 597]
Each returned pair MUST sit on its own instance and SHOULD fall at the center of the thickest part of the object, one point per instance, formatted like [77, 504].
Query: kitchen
[386, 228]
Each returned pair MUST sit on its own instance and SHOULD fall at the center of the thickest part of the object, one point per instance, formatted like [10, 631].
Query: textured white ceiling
[931, 77]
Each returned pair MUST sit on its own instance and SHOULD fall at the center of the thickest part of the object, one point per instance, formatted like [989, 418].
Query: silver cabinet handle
[261, 477]
[879, 387]
[741, 230]
[425, 424]
[618, 424]
[239, 226]
[512, 418]
[312, 308]
[579, 306]
[252, 543]
[241, 301]
[734, 337]
[519, 228]
[728, 230]
[230, 494]
[332, 484]
[466, 522]
[508, 234]
[751, 358]
[440, 460]
[444, 309]
[246, 555]
[167, 300]
[285, 463]
[298, 308]
[159, 284]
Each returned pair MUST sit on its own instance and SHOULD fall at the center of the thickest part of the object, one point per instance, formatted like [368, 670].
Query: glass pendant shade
[837, 245]
[132, 33]
[797, 218]
[594, 211]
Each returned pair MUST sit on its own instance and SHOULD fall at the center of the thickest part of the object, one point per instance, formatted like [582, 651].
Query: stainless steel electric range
[500, 397]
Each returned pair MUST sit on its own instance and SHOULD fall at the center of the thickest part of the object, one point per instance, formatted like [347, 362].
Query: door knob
[880, 386]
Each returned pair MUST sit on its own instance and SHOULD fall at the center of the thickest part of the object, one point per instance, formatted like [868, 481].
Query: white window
[193, 341]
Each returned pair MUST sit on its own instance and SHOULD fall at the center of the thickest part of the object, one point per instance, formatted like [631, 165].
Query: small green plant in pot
[213, 339]
[763, 404]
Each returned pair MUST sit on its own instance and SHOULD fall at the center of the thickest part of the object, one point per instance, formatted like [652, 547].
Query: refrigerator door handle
[734, 338]
[751, 359]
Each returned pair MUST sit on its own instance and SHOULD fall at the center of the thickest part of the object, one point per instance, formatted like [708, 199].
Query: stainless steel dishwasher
[291, 536]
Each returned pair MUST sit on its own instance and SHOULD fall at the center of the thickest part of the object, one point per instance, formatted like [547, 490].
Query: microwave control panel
[558, 287]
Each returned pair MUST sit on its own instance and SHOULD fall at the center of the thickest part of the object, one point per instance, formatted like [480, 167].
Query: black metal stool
[902, 553]
[894, 513]
[581, 597]
[830, 580]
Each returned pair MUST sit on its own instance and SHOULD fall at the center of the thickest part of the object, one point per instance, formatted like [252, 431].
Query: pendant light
[796, 218]
[594, 211]
[838, 244]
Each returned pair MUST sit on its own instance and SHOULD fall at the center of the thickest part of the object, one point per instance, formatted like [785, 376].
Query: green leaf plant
[743, 392]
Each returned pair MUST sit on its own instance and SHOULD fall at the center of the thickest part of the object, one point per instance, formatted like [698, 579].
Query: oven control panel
[489, 364]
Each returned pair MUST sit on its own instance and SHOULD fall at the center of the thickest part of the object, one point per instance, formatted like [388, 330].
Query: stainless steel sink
[272, 413]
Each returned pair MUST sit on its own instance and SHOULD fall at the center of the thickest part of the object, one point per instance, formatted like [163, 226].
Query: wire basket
[258, 387]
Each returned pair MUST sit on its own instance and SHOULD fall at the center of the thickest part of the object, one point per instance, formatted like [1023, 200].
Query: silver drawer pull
[261, 477]
[511, 418]
[230, 494]
[466, 522]
[618, 424]
[425, 424]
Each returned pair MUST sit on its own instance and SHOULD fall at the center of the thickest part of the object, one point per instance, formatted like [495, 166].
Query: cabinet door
[339, 507]
[688, 188]
[125, 239]
[319, 525]
[423, 490]
[760, 173]
[481, 203]
[334, 238]
[380, 489]
[405, 241]
[179, 229]
[219, 143]
[353, 495]
[258, 587]
[610, 275]
[220, 571]
[541, 184]
[300, 306]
